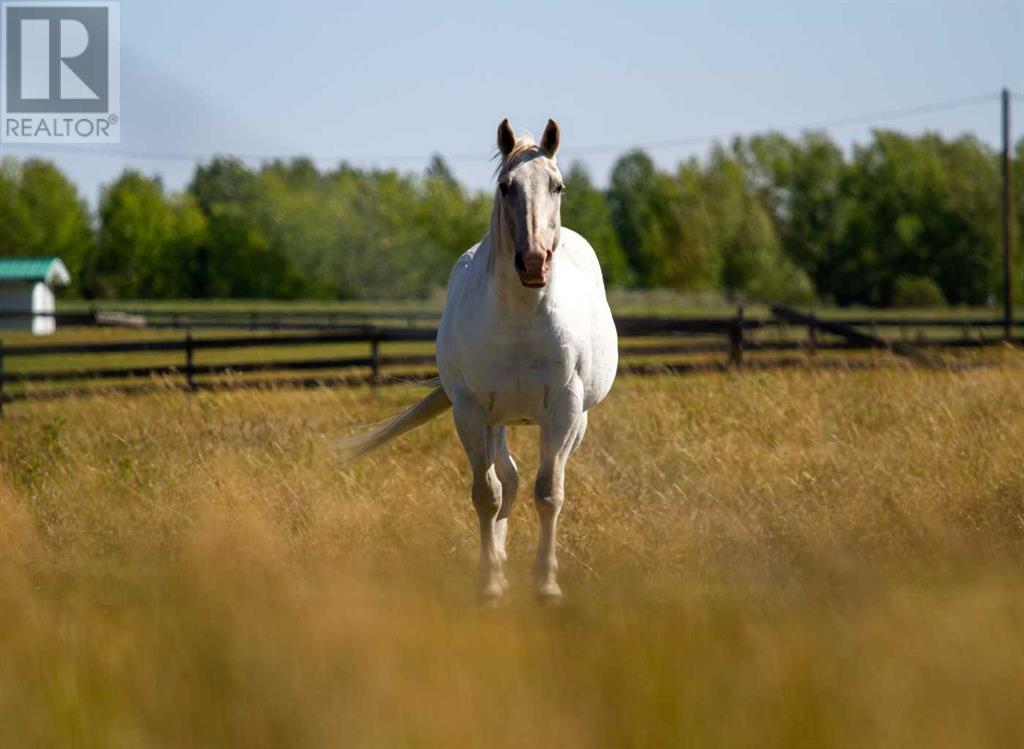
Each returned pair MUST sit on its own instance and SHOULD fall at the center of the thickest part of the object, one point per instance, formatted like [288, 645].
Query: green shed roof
[50, 270]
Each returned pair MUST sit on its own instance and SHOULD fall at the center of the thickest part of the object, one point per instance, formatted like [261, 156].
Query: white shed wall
[29, 299]
[43, 303]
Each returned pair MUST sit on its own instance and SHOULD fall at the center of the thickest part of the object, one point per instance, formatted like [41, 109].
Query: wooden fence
[730, 337]
[255, 320]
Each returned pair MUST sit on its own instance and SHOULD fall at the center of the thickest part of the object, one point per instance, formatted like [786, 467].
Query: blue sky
[389, 84]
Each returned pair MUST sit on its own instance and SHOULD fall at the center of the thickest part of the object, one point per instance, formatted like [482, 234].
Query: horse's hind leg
[508, 475]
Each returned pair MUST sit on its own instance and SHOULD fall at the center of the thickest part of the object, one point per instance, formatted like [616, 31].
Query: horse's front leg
[508, 474]
[479, 441]
[560, 434]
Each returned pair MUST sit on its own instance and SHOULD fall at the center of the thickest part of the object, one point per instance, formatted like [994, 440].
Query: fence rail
[368, 319]
[730, 336]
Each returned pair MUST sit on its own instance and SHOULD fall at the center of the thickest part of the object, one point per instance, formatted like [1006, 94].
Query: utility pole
[1008, 311]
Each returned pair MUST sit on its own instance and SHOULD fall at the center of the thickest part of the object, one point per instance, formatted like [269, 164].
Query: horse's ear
[506, 138]
[549, 142]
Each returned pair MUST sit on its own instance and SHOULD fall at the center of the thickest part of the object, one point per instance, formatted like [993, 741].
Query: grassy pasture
[787, 558]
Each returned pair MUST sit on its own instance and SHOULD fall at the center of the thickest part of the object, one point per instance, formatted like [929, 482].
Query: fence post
[736, 339]
[1008, 285]
[812, 337]
[189, 361]
[375, 359]
[1, 378]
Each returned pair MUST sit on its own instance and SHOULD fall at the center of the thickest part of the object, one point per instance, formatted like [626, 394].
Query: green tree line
[911, 220]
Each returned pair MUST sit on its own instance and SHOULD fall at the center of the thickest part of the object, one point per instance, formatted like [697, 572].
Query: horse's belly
[514, 408]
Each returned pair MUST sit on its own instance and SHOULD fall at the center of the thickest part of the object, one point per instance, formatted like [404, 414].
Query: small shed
[27, 287]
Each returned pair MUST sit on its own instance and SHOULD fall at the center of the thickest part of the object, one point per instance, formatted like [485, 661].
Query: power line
[861, 119]
[838, 122]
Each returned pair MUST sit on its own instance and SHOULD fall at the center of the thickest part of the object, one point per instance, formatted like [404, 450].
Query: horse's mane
[524, 144]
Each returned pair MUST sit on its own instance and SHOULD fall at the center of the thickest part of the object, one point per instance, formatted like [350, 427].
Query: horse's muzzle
[533, 268]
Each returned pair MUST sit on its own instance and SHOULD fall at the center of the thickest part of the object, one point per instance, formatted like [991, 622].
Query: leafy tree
[585, 209]
[240, 261]
[906, 218]
[438, 169]
[914, 291]
[41, 213]
[244, 254]
[691, 257]
[799, 183]
[137, 227]
[292, 208]
[381, 252]
[753, 263]
[703, 228]
[919, 207]
[182, 260]
[223, 180]
[633, 198]
[451, 219]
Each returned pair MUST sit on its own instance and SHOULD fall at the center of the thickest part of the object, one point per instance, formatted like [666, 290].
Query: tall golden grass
[763, 559]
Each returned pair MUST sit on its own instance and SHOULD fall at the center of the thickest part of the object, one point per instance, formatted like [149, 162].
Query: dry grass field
[766, 559]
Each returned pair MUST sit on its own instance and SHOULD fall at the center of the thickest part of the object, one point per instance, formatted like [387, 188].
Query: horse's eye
[505, 187]
[559, 189]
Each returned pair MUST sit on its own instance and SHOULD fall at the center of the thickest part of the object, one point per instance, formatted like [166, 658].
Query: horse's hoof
[549, 594]
[492, 592]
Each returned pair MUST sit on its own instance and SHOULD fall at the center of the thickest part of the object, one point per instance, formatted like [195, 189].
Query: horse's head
[528, 201]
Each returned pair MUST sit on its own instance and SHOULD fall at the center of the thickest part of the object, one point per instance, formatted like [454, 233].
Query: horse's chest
[517, 372]
[527, 359]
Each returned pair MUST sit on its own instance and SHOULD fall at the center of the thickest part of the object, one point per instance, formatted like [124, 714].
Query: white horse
[526, 338]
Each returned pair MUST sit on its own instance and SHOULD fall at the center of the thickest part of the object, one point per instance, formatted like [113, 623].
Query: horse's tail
[435, 404]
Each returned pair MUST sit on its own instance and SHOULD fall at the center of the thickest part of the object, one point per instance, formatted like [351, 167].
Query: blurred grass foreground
[763, 559]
